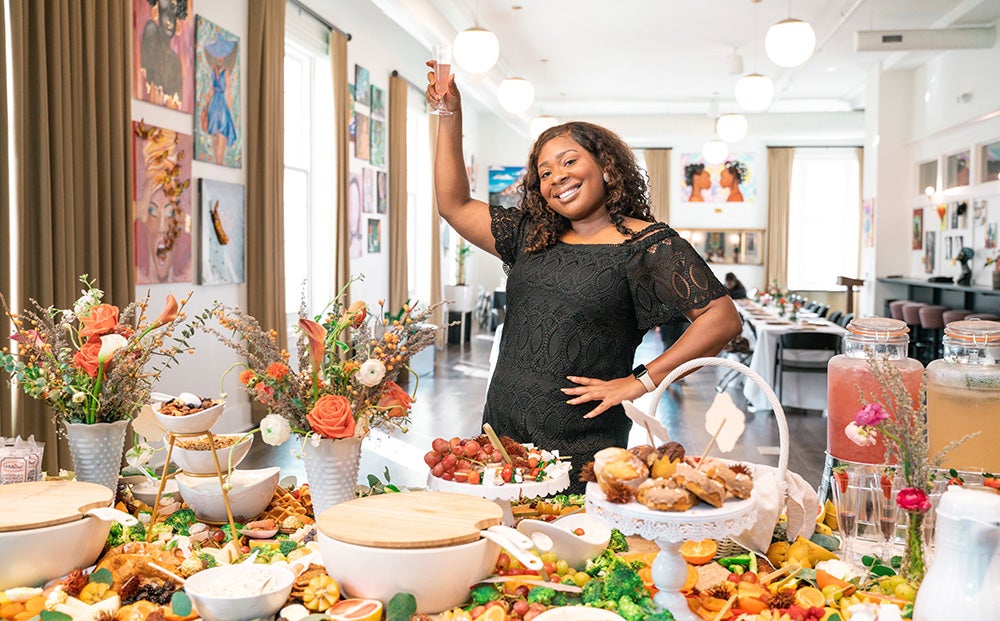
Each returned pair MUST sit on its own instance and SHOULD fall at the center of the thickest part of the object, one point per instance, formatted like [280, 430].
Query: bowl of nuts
[194, 455]
[188, 413]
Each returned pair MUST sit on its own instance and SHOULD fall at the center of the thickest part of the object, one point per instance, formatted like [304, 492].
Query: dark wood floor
[450, 402]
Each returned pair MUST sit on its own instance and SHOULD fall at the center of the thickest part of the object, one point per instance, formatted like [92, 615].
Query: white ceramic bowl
[145, 490]
[579, 613]
[195, 461]
[252, 491]
[239, 592]
[439, 578]
[199, 422]
[35, 556]
[574, 549]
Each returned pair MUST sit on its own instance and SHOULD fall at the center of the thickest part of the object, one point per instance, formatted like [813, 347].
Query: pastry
[697, 482]
[664, 495]
[673, 450]
[737, 484]
[616, 465]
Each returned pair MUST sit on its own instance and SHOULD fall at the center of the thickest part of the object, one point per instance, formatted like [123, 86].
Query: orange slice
[493, 613]
[357, 609]
[809, 596]
[824, 579]
[699, 552]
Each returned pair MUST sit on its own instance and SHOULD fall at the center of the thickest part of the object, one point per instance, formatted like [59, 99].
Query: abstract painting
[505, 185]
[354, 215]
[382, 192]
[362, 146]
[868, 222]
[362, 92]
[929, 237]
[374, 236]
[163, 53]
[378, 102]
[378, 143]
[368, 177]
[732, 181]
[918, 229]
[991, 235]
[222, 229]
[218, 136]
[161, 204]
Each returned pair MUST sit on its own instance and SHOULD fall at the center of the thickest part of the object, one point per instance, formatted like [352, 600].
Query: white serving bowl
[579, 613]
[439, 578]
[195, 461]
[33, 557]
[574, 549]
[198, 422]
[145, 490]
[251, 492]
[235, 593]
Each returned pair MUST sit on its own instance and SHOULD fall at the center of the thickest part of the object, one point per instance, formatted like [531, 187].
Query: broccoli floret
[208, 560]
[181, 521]
[593, 592]
[159, 528]
[623, 582]
[228, 531]
[561, 598]
[120, 534]
[618, 542]
[630, 610]
[601, 564]
[541, 595]
[286, 546]
[485, 592]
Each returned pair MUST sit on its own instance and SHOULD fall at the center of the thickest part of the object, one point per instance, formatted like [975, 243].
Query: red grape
[471, 448]
[520, 607]
[448, 476]
[748, 576]
[503, 561]
[461, 476]
[432, 458]
[475, 477]
[437, 470]
[440, 445]
[521, 591]
[449, 461]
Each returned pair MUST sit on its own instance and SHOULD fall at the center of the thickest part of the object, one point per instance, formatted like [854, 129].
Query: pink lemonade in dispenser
[849, 377]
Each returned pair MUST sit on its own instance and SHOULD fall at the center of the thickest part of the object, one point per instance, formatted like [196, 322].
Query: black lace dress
[582, 309]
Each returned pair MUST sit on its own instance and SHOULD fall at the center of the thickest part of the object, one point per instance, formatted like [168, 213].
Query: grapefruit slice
[356, 609]
[699, 552]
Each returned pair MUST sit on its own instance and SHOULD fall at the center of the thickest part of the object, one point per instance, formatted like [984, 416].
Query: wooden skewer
[649, 434]
[711, 443]
[725, 609]
[777, 573]
[495, 441]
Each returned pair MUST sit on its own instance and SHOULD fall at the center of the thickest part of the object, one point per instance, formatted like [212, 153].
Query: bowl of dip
[239, 592]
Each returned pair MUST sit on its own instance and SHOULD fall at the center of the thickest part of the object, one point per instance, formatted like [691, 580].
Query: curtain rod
[397, 74]
[313, 14]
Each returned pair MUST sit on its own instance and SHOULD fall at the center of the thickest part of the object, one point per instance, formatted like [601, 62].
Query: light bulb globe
[714, 152]
[541, 123]
[754, 92]
[516, 95]
[790, 42]
[731, 127]
[476, 50]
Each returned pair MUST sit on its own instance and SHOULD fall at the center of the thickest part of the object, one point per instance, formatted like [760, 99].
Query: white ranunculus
[79, 397]
[371, 372]
[860, 436]
[275, 430]
[110, 343]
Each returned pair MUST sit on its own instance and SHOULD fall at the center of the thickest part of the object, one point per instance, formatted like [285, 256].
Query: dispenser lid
[878, 329]
[959, 502]
[974, 332]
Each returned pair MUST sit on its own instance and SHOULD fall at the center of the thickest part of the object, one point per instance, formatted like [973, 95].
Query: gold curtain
[5, 232]
[265, 247]
[342, 120]
[437, 292]
[399, 282]
[779, 190]
[74, 149]
[658, 168]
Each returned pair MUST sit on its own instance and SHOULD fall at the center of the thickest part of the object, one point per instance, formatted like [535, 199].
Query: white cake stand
[670, 529]
[503, 494]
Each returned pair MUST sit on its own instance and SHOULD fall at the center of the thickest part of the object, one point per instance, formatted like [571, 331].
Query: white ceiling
[620, 57]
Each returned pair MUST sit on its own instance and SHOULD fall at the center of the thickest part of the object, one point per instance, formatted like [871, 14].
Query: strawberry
[955, 479]
[841, 478]
[991, 481]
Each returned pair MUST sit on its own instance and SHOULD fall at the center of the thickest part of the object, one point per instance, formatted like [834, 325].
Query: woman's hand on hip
[609, 393]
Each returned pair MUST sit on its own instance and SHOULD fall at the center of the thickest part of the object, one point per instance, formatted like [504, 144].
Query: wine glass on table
[442, 77]
[886, 484]
[848, 486]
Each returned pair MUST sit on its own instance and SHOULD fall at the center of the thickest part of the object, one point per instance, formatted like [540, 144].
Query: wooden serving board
[47, 503]
[410, 519]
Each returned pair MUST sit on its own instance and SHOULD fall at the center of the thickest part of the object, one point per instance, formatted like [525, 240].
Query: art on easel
[217, 131]
[918, 229]
[163, 53]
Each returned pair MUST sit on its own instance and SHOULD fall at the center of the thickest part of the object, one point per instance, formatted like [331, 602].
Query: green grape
[549, 557]
[905, 591]
[562, 567]
[581, 578]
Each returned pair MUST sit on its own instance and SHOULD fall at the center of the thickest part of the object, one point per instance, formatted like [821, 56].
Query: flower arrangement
[904, 425]
[90, 363]
[347, 361]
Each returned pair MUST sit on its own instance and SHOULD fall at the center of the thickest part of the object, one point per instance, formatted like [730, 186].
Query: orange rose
[86, 357]
[101, 320]
[331, 417]
[396, 400]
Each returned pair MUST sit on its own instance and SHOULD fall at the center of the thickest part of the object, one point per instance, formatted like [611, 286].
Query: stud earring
[607, 177]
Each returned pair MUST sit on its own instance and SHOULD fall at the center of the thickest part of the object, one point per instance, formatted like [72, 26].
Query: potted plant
[459, 295]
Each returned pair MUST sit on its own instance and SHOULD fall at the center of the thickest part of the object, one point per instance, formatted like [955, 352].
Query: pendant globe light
[516, 95]
[541, 123]
[731, 127]
[476, 50]
[790, 42]
[754, 91]
[714, 151]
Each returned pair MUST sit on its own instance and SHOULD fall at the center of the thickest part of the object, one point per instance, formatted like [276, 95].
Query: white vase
[331, 470]
[97, 451]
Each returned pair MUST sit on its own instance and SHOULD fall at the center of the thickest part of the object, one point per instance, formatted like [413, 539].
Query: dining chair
[822, 310]
[791, 356]
[835, 316]
[845, 319]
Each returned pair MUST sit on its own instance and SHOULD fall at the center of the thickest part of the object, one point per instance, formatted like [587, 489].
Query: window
[419, 172]
[823, 221]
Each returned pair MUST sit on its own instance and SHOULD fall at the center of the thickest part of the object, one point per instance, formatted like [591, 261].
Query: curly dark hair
[180, 11]
[737, 169]
[690, 171]
[626, 190]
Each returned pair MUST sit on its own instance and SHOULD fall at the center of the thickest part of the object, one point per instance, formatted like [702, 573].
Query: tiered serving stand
[670, 529]
[503, 494]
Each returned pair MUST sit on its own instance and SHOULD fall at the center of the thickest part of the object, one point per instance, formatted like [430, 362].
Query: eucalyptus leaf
[401, 607]
[103, 576]
[180, 604]
[51, 615]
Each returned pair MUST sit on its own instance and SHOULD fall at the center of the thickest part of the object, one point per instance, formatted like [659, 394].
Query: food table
[504, 494]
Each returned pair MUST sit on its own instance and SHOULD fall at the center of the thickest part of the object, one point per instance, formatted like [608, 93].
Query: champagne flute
[847, 489]
[885, 485]
[442, 73]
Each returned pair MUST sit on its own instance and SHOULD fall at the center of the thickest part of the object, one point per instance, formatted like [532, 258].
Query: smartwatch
[642, 374]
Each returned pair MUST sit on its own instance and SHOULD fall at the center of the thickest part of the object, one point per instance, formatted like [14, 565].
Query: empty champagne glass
[442, 73]
[848, 486]
[885, 485]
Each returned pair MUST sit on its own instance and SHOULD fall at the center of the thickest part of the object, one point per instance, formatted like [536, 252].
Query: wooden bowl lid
[47, 503]
[410, 519]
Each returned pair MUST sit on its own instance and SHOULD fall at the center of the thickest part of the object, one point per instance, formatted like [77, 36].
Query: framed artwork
[362, 146]
[715, 246]
[163, 53]
[957, 170]
[362, 91]
[381, 191]
[218, 137]
[751, 246]
[377, 154]
[354, 200]
[161, 204]
[991, 235]
[732, 181]
[929, 238]
[505, 185]
[868, 222]
[378, 102]
[374, 236]
[368, 186]
[918, 229]
[222, 229]
[990, 167]
[979, 212]
[927, 177]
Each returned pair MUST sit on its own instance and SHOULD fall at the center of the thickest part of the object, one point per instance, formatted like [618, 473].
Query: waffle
[299, 587]
[305, 498]
[284, 505]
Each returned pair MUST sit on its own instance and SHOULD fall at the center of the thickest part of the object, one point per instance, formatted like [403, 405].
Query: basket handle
[779, 412]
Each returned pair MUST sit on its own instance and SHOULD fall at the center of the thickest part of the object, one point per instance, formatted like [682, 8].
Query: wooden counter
[973, 298]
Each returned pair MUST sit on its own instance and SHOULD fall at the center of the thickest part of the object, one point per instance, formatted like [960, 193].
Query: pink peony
[870, 415]
[913, 500]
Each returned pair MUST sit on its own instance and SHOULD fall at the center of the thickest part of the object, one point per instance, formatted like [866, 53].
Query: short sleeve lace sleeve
[668, 278]
[508, 228]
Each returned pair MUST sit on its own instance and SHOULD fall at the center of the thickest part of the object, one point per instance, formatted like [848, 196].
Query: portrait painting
[161, 204]
[218, 136]
[362, 146]
[505, 185]
[715, 244]
[377, 155]
[222, 230]
[382, 191]
[378, 102]
[732, 181]
[374, 236]
[368, 187]
[991, 235]
[354, 216]
[163, 53]
[918, 229]
[929, 257]
[362, 90]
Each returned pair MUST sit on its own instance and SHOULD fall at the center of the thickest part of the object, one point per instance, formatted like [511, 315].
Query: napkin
[793, 496]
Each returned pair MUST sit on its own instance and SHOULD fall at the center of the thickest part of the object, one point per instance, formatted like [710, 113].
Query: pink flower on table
[913, 500]
[871, 415]
[862, 436]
